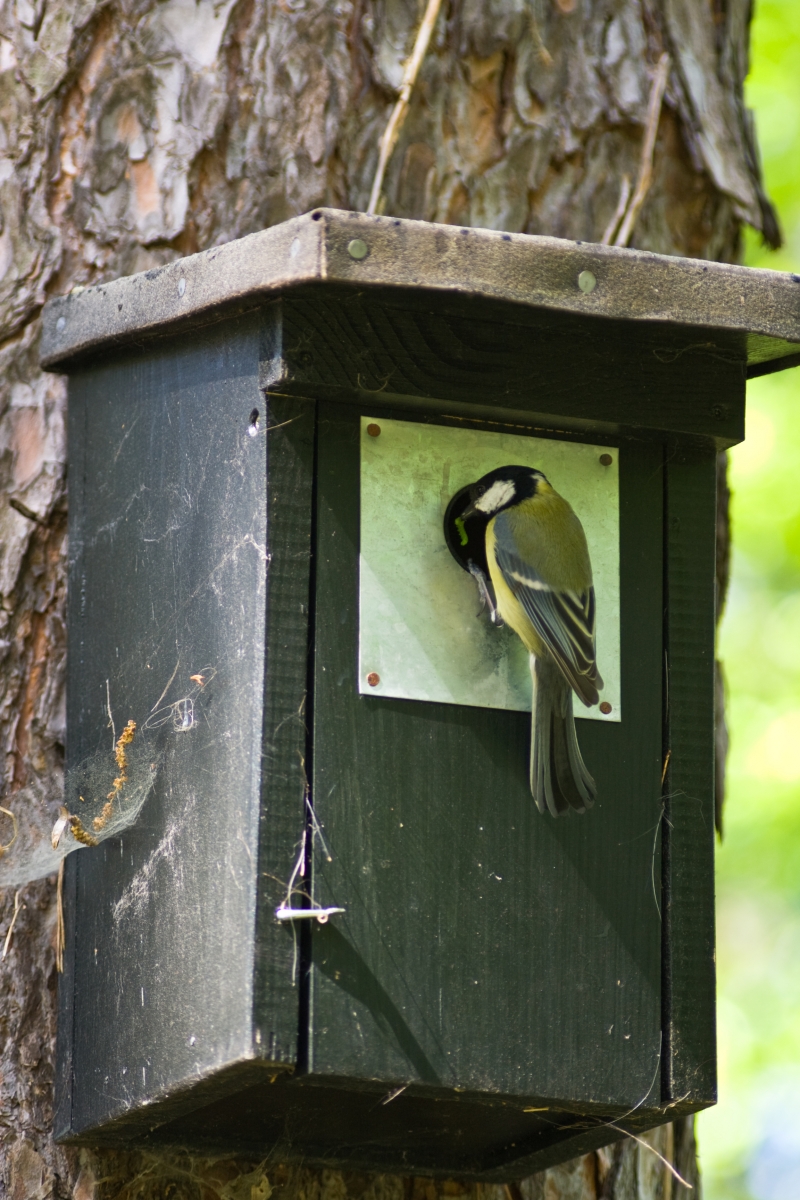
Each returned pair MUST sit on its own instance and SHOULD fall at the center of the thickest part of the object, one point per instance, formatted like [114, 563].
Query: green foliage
[773, 94]
[759, 860]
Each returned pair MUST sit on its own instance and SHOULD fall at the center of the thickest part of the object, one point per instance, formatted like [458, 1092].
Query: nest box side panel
[689, 971]
[167, 616]
[484, 946]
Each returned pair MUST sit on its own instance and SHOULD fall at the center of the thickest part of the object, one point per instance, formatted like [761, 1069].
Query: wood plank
[689, 973]
[762, 307]
[168, 579]
[484, 946]
[76, 750]
[289, 427]
[500, 361]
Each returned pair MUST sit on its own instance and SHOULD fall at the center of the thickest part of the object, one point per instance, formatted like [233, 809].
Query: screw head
[357, 249]
[373, 679]
[587, 282]
[606, 460]
[605, 708]
[374, 430]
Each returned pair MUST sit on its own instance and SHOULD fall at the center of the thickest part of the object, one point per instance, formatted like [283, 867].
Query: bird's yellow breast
[508, 605]
[549, 537]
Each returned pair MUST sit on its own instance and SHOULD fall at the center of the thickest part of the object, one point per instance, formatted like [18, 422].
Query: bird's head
[503, 487]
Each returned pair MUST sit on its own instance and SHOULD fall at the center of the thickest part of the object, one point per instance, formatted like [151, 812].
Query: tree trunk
[133, 132]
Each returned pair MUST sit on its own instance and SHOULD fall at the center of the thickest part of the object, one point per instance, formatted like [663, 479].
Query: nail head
[606, 460]
[587, 282]
[605, 707]
[357, 249]
[373, 679]
[374, 430]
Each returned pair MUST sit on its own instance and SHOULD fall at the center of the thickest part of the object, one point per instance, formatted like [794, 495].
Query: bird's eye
[480, 489]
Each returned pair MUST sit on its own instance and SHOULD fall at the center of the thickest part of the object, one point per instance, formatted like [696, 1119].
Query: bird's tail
[559, 778]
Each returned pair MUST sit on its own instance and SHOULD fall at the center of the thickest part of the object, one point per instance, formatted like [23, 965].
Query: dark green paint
[464, 905]
[495, 360]
[690, 1036]
[447, 873]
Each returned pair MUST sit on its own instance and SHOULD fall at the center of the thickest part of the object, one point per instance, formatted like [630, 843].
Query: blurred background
[750, 1143]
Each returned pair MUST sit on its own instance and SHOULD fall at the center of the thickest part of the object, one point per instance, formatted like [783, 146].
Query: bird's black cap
[465, 526]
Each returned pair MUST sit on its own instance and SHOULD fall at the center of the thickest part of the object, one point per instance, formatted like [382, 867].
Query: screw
[587, 282]
[374, 430]
[373, 679]
[605, 708]
[357, 249]
[606, 460]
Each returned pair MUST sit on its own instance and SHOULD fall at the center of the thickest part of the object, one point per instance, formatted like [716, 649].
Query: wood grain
[704, 298]
[499, 361]
[289, 429]
[689, 971]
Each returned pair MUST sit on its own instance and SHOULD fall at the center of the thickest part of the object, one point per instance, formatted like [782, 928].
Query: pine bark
[133, 132]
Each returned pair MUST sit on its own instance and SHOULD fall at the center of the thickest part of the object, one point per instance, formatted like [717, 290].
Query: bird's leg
[487, 600]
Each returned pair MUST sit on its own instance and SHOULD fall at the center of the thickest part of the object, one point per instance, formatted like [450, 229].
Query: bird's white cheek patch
[500, 493]
[420, 636]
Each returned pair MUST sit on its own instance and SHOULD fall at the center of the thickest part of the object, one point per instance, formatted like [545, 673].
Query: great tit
[538, 563]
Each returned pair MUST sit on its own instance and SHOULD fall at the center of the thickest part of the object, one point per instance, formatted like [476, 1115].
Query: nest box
[339, 929]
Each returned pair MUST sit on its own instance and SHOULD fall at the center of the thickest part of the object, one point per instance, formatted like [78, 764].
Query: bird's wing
[565, 621]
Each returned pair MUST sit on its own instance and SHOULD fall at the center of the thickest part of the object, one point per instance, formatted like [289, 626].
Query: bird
[538, 562]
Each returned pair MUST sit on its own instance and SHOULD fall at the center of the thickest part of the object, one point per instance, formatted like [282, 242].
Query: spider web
[103, 795]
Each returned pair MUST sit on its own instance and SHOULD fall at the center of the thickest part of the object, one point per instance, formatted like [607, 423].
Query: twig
[653, 859]
[17, 907]
[619, 211]
[652, 1149]
[163, 694]
[392, 130]
[110, 717]
[24, 511]
[5, 847]
[648, 147]
[60, 929]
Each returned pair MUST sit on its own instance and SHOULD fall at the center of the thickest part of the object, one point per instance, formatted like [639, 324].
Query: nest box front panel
[483, 946]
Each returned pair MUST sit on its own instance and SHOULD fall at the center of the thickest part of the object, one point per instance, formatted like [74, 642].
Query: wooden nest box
[259, 580]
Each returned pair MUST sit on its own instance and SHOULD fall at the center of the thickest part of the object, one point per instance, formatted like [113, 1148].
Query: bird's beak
[469, 511]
